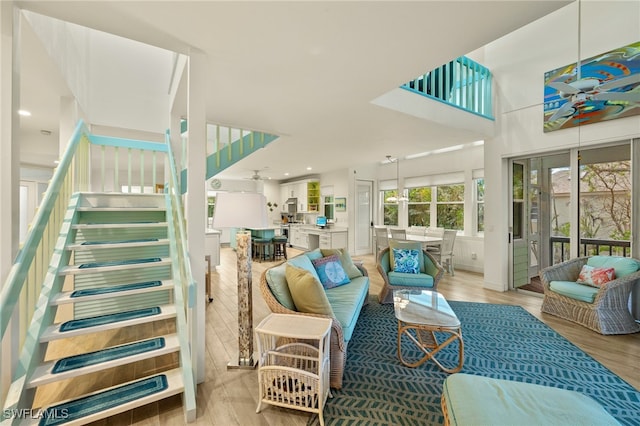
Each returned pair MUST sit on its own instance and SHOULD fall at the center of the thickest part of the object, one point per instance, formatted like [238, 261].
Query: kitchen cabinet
[313, 196]
[307, 192]
[298, 237]
[326, 238]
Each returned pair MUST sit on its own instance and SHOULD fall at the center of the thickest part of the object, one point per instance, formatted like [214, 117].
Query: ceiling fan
[257, 176]
[579, 91]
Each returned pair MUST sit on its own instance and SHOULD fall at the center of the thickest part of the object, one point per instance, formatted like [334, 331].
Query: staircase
[118, 277]
[225, 147]
[96, 311]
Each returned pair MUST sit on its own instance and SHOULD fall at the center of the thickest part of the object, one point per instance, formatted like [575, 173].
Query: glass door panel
[605, 201]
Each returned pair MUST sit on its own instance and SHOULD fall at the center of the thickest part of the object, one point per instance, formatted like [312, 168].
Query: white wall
[518, 62]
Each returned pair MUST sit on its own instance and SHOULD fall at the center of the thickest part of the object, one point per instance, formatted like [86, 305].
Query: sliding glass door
[551, 197]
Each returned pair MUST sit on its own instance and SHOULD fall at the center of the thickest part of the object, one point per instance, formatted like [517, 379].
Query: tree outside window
[419, 206]
[450, 206]
[390, 210]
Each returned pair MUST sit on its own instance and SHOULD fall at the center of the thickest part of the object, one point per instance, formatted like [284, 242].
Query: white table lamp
[242, 210]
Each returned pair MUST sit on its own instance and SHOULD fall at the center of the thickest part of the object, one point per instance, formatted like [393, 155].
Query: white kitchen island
[308, 237]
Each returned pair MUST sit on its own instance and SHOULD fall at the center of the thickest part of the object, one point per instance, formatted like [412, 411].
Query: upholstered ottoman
[477, 400]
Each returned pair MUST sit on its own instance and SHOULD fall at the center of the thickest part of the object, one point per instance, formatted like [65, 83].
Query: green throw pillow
[347, 263]
[406, 245]
[307, 292]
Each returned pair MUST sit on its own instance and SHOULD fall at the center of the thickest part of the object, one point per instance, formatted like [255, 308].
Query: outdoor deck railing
[588, 247]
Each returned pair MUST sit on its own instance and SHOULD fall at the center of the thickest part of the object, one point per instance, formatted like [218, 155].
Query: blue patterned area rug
[500, 341]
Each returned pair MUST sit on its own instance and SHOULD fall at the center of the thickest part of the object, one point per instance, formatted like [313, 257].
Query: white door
[364, 213]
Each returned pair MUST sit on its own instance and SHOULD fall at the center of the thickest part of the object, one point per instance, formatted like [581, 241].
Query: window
[419, 206]
[479, 184]
[450, 206]
[329, 207]
[389, 210]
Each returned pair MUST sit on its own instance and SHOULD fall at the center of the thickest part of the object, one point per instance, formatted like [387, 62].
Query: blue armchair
[427, 279]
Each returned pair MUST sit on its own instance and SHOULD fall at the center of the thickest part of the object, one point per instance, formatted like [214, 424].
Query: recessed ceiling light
[286, 174]
[56, 161]
[308, 168]
[24, 112]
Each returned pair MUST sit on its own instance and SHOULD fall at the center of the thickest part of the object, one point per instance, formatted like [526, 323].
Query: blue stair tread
[92, 358]
[108, 319]
[118, 262]
[139, 240]
[115, 289]
[88, 405]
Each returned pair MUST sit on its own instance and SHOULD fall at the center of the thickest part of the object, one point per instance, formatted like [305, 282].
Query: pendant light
[400, 190]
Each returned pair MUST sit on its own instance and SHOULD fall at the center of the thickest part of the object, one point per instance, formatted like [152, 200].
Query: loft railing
[24, 297]
[462, 83]
[588, 247]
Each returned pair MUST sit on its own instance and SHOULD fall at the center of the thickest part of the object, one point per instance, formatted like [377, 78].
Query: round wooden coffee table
[421, 314]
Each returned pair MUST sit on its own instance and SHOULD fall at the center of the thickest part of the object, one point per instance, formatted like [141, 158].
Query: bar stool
[279, 247]
[263, 249]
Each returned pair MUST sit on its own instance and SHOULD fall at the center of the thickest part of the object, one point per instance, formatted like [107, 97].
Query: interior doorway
[364, 215]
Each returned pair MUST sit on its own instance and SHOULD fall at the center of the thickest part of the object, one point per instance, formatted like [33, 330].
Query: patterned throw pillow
[406, 261]
[596, 277]
[330, 271]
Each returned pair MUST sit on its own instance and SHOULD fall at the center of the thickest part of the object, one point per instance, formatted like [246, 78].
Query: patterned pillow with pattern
[406, 261]
[596, 277]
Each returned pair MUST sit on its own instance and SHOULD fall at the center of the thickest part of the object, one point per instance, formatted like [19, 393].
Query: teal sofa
[603, 309]
[346, 303]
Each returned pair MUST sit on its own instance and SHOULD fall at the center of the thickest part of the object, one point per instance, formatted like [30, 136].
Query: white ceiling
[307, 71]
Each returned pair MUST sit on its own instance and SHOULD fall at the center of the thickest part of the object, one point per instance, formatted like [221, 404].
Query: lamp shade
[240, 210]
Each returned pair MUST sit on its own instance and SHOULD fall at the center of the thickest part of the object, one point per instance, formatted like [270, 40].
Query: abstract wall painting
[604, 87]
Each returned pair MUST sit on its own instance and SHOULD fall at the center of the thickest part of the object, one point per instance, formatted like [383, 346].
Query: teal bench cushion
[410, 280]
[477, 400]
[346, 302]
[623, 265]
[574, 290]
[278, 285]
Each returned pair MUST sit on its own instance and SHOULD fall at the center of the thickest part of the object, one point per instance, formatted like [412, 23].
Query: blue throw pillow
[406, 261]
[330, 271]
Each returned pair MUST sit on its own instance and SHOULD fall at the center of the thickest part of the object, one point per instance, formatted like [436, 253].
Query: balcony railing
[462, 83]
[588, 247]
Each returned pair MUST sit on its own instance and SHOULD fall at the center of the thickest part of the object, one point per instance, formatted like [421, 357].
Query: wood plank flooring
[229, 397]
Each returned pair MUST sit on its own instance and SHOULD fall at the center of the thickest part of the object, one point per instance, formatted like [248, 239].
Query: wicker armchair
[609, 312]
[338, 351]
[433, 268]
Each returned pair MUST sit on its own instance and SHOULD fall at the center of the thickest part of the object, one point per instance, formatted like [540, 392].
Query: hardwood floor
[229, 397]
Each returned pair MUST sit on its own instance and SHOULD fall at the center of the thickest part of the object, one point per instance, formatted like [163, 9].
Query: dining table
[426, 240]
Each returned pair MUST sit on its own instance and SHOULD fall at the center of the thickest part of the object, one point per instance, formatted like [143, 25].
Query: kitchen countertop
[316, 230]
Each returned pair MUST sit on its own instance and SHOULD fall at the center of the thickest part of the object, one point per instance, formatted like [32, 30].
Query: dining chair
[446, 249]
[435, 250]
[381, 236]
[398, 234]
